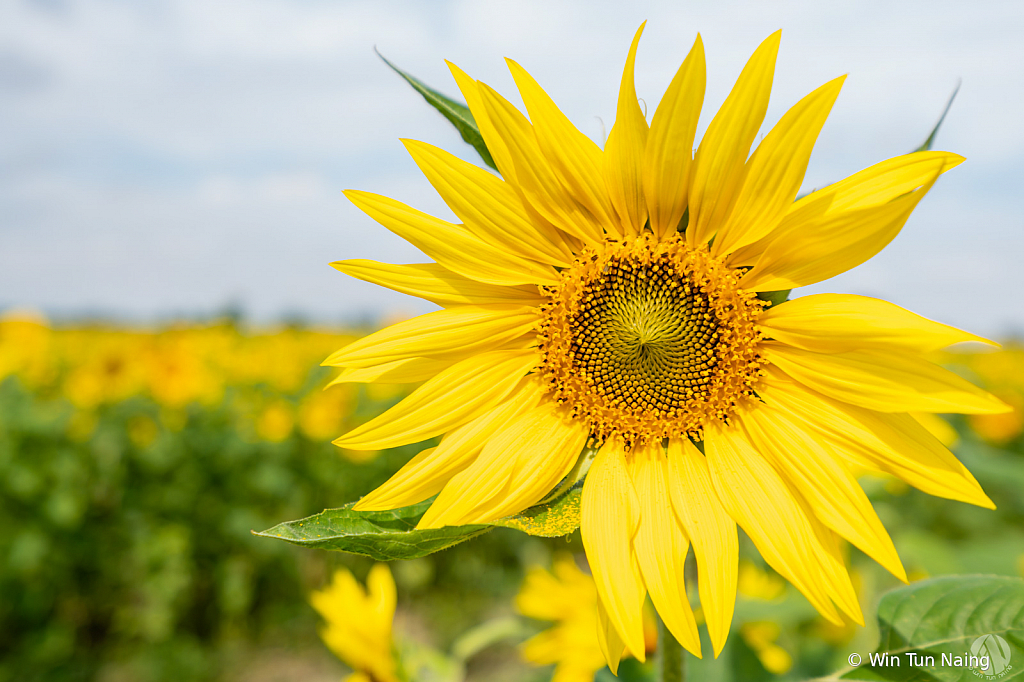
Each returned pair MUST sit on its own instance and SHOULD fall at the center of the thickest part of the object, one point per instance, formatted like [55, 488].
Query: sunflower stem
[673, 659]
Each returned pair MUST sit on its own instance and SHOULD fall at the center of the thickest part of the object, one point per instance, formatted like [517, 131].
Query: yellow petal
[407, 371]
[558, 594]
[454, 333]
[427, 473]
[807, 215]
[775, 170]
[829, 489]
[534, 176]
[624, 152]
[885, 181]
[458, 394]
[833, 566]
[711, 531]
[495, 143]
[507, 159]
[833, 323]
[418, 479]
[871, 187]
[668, 157]
[661, 545]
[358, 622]
[938, 427]
[817, 249]
[518, 466]
[380, 587]
[414, 369]
[453, 246]
[545, 648]
[608, 639]
[765, 508]
[887, 381]
[436, 284]
[894, 443]
[573, 156]
[503, 156]
[718, 167]
[609, 515]
[487, 206]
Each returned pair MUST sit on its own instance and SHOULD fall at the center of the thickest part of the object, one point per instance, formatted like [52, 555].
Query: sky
[173, 158]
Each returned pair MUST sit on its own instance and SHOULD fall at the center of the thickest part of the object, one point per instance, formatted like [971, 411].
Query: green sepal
[774, 298]
[456, 112]
[951, 615]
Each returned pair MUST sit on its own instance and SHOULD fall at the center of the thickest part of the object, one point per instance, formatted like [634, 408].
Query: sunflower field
[135, 464]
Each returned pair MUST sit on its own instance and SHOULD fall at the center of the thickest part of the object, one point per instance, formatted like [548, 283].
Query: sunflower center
[644, 335]
[649, 340]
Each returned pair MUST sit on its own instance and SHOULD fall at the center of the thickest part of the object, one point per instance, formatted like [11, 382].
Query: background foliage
[134, 464]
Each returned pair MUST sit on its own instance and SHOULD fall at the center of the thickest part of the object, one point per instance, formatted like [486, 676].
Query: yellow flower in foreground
[358, 623]
[568, 596]
[609, 297]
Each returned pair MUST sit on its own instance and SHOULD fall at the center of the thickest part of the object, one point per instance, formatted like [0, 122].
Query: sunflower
[358, 623]
[567, 596]
[616, 301]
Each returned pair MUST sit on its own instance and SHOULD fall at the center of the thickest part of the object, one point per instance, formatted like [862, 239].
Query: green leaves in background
[454, 111]
[392, 535]
[953, 615]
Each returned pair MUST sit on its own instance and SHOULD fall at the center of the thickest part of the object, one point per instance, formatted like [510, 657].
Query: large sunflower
[610, 298]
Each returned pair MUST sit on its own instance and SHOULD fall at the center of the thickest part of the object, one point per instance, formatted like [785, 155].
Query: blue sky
[166, 157]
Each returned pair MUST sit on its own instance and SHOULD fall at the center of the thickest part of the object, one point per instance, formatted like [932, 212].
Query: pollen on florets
[647, 340]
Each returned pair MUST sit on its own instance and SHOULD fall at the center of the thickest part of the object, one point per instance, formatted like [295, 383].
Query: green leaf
[392, 535]
[380, 535]
[456, 112]
[927, 144]
[944, 618]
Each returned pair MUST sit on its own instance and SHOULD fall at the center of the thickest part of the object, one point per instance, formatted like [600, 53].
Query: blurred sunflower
[611, 298]
[358, 623]
[567, 596]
